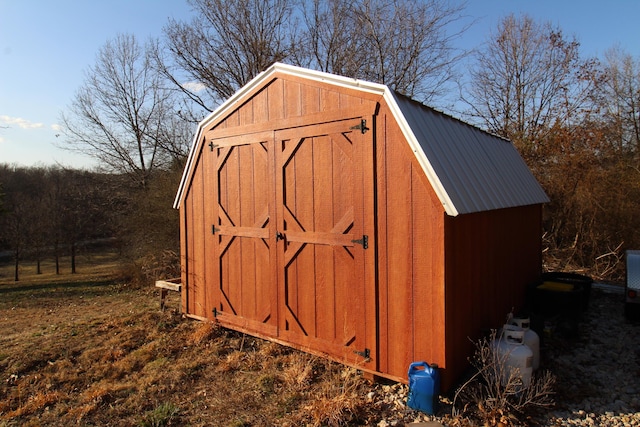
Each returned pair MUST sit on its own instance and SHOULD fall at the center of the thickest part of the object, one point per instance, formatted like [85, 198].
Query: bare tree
[402, 43]
[328, 43]
[14, 224]
[227, 44]
[25, 224]
[2, 195]
[525, 80]
[529, 84]
[618, 98]
[121, 112]
[405, 44]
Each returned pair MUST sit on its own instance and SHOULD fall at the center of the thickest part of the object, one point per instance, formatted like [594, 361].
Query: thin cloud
[194, 86]
[20, 122]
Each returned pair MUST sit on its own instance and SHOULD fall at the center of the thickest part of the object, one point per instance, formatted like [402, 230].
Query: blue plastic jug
[424, 386]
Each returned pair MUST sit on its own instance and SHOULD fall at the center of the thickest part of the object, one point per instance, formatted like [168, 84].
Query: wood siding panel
[381, 206]
[491, 257]
[288, 103]
[188, 267]
[327, 202]
[185, 238]
[242, 198]
[310, 98]
[329, 100]
[261, 107]
[245, 114]
[411, 258]
[196, 289]
[275, 97]
[230, 253]
[399, 280]
[320, 213]
[232, 121]
[428, 272]
[292, 99]
[208, 167]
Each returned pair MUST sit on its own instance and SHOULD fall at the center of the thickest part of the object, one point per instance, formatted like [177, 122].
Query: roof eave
[417, 150]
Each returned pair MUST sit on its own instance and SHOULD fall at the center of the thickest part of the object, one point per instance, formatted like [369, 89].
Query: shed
[341, 218]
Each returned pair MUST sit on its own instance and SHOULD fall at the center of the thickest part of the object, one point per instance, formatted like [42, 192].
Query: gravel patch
[596, 363]
[598, 372]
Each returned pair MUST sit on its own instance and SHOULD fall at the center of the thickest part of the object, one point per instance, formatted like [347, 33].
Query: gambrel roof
[469, 169]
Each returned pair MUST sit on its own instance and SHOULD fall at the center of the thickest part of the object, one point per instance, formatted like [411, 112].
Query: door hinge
[364, 241]
[362, 127]
[214, 229]
[366, 354]
[212, 145]
[215, 312]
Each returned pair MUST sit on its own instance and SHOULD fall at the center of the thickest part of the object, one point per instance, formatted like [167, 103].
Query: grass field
[90, 349]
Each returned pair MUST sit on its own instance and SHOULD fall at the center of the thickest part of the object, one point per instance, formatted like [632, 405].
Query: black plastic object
[574, 279]
[558, 301]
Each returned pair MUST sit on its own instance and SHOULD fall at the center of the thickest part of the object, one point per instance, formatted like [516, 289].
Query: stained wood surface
[491, 257]
[320, 210]
[282, 190]
[241, 221]
[410, 223]
[172, 285]
[283, 212]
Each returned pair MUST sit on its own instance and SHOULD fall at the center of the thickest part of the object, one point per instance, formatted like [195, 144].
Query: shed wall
[410, 257]
[490, 257]
[194, 256]
[282, 105]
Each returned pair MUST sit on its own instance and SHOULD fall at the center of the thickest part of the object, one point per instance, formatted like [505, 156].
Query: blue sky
[47, 45]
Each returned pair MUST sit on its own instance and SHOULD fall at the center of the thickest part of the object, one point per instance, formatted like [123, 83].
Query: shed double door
[290, 242]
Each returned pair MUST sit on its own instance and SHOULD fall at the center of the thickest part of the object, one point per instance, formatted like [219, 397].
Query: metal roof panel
[479, 171]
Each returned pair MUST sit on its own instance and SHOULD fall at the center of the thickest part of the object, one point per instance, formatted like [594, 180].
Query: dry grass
[339, 401]
[87, 349]
[496, 394]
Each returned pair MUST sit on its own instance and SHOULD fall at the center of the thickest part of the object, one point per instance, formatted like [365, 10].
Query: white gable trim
[435, 182]
[392, 101]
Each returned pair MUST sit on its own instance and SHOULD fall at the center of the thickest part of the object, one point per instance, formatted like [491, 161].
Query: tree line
[575, 120]
[55, 213]
[49, 212]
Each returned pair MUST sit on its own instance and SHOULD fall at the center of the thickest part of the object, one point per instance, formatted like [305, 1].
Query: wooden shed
[339, 217]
